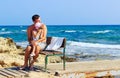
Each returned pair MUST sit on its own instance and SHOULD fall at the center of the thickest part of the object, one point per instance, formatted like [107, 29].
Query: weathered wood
[17, 72]
[10, 73]
[2, 76]
[6, 75]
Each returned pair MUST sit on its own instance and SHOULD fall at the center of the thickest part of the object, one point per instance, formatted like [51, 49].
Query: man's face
[37, 20]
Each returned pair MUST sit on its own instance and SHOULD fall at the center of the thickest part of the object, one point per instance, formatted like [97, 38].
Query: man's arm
[29, 34]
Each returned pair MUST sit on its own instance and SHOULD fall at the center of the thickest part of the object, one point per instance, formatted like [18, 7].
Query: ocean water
[92, 42]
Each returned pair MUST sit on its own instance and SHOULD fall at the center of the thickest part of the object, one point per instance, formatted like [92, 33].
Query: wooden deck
[12, 73]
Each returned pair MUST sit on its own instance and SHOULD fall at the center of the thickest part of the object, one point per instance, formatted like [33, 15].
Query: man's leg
[27, 53]
[36, 55]
[38, 48]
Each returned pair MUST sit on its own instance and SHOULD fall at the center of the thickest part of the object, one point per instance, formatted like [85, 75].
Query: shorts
[41, 44]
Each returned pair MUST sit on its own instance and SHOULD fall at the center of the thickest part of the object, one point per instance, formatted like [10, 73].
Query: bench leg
[63, 62]
[46, 62]
[64, 59]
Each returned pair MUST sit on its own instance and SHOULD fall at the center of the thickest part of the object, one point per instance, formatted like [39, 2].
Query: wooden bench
[48, 53]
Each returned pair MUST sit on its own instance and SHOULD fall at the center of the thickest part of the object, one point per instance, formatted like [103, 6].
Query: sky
[60, 12]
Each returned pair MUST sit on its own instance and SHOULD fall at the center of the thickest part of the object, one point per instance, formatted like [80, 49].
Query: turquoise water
[91, 41]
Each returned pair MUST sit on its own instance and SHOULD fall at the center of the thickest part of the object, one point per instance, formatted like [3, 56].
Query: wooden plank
[2, 76]
[6, 75]
[16, 72]
[10, 73]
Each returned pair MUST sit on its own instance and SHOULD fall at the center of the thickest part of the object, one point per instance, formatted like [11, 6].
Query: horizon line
[67, 24]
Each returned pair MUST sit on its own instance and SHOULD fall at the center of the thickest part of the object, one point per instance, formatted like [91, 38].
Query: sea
[84, 42]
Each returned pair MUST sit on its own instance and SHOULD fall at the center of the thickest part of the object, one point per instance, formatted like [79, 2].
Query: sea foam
[7, 32]
[97, 45]
[102, 32]
[70, 31]
[24, 30]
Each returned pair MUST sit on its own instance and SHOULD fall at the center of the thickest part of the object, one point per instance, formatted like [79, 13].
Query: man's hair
[34, 17]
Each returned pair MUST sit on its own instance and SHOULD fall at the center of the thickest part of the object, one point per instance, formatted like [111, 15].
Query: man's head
[36, 18]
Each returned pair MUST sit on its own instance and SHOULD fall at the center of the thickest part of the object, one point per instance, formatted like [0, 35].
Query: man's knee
[38, 48]
[28, 49]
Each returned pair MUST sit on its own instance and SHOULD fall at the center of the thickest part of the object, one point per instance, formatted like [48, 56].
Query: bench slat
[50, 52]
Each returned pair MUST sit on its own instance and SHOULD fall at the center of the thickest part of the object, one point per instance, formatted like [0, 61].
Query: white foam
[24, 30]
[70, 31]
[102, 32]
[96, 45]
[3, 29]
[8, 32]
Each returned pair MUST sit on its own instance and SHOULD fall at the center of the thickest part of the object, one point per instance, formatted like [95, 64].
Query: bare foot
[23, 67]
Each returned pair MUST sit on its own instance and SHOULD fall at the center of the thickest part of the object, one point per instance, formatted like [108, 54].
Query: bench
[48, 53]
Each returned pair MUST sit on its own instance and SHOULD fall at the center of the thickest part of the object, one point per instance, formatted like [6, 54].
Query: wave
[82, 44]
[86, 48]
[8, 32]
[3, 29]
[95, 45]
[70, 31]
[24, 30]
[102, 32]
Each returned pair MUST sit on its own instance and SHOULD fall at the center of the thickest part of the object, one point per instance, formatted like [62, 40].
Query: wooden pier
[10, 73]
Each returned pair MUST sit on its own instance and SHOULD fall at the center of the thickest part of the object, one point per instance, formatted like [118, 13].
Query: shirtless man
[41, 41]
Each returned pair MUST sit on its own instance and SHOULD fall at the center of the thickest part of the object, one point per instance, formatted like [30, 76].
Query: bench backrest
[48, 41]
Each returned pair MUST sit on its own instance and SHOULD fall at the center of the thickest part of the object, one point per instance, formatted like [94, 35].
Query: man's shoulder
[44, 26]
[30, 27]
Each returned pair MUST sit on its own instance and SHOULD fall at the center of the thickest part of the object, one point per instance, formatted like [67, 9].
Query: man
[40, 43]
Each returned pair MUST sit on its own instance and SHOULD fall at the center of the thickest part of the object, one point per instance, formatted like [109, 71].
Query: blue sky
[60, 12]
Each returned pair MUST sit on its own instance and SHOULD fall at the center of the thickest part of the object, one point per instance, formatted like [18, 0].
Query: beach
[84, 44]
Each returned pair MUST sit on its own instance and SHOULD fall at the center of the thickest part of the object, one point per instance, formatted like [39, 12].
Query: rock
[7, 45]
[70, 59]
[1, 66]
[15, 64]
[19, 47]
[2, 63]
[54, 59]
